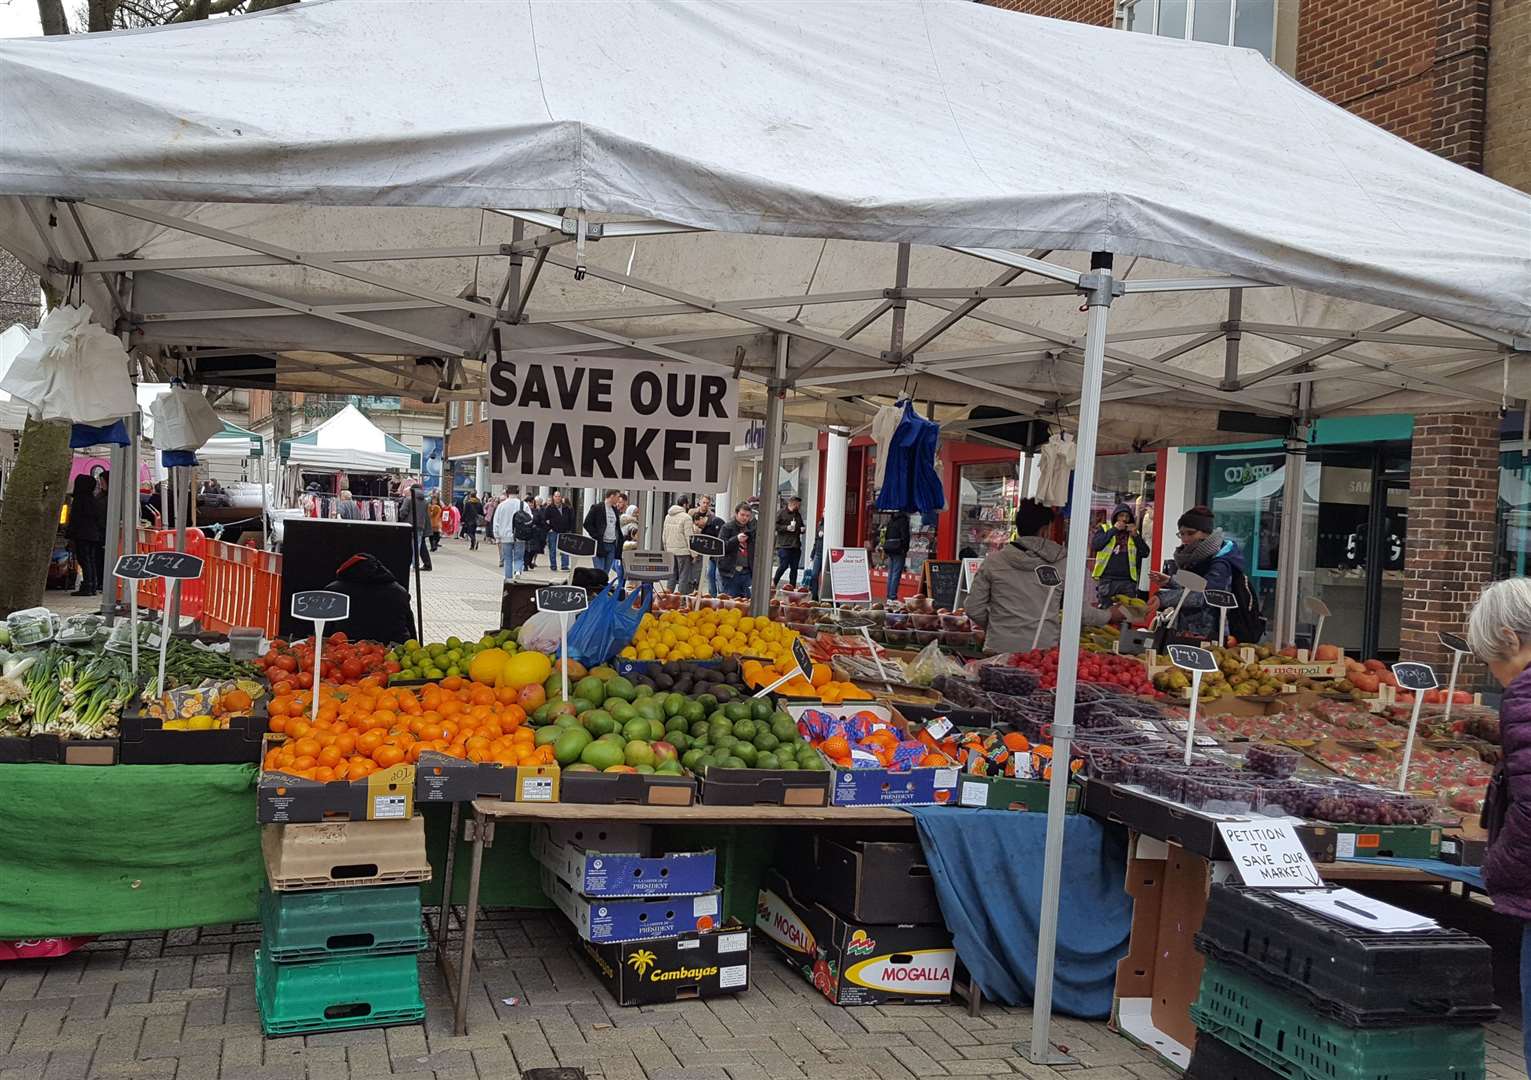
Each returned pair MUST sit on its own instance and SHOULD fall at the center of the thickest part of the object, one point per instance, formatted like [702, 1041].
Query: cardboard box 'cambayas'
[855, 963]
[693, 965]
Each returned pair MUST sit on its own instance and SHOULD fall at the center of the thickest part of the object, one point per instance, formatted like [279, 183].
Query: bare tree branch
[51, 14]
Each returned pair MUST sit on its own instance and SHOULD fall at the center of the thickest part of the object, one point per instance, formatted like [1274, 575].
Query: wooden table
[486, 812]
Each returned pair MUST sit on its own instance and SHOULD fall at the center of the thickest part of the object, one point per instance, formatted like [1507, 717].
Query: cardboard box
[764, 787]
[1390, 841]
[1005, 793]
[882, 882]
[612, 870]
[52, 750]
[386, 795]
[1190, 829]
[920, 786]
[1463, 850]
[342, 854]
[695, 965]
[641, 789]
[856, 963]
[610, 920]
[144, 740]
[443, 778]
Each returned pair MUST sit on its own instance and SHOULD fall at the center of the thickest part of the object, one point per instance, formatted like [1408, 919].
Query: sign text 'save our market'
[561, 419]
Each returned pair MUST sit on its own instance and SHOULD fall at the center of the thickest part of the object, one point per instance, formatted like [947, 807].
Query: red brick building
[1451, 76]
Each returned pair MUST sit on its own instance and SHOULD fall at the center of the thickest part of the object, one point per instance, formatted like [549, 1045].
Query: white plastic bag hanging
[183, 420]
[72, 369]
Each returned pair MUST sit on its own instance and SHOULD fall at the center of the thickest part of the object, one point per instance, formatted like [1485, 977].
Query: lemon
[175, 725]
[644, 654]
[201, 723]
[704, 652]
[630, 653]
[486, 666]
[661, 652]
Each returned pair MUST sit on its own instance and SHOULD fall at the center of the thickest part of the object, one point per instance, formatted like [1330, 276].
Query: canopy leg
[1098, 287]
[770, 481]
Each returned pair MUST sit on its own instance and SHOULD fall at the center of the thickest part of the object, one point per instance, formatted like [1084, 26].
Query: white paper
[733, 942]
[973, 794]
[705, 905]
[734, 976]
[1345, 845]
[946, 777]
[1268, 853]
[1350, 907]
[688, 943]
[850, 576]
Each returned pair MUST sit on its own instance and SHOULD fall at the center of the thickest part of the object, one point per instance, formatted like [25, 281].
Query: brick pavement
[181, 1006]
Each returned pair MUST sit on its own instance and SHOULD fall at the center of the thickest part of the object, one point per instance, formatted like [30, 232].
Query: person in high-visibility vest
[1118, 550]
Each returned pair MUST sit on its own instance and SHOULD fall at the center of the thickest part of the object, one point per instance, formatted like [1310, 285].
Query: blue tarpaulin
[987, 866]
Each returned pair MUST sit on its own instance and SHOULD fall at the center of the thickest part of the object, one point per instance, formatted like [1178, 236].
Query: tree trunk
[100, 15]
[51, 15]
[34, 495]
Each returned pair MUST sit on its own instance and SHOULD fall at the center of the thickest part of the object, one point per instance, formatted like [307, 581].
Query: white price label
[705, 905]
[734, 976]
[946, 777]
[973, 794]
[389, 806]
[537, 789]
[733, 942]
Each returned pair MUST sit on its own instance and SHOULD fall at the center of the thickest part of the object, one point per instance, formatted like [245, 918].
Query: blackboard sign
[1191, 658]
[321, 605]
[804, 661]
[703, 544]
[1047, 577]
[576, 544]
[1454, 643]
[562, 598]
[942, 577]
[1221, 598]
[1412, 676]
[173, 564]
[133, 567]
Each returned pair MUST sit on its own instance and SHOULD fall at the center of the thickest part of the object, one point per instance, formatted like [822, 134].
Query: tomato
[305, 679]
[286, 662]
[338, 638]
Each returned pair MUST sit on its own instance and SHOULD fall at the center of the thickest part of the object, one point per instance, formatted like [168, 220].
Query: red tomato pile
[344, 661]
[1108, 669]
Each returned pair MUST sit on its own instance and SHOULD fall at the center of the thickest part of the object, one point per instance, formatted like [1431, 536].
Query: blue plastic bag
[605, 627]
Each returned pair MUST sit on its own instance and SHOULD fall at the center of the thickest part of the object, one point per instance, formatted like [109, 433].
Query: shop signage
[850, 576]
[173, 564]
[133, 568]
[590, 422]
[1047, 577]
[1412, 676]
[1268, 854]
[1454, 643]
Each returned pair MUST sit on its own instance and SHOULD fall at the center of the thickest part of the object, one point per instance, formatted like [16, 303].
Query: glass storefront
[987, 495]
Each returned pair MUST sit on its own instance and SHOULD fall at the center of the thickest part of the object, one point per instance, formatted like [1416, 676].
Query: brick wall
[1418, 68]
[468, 438]
[1095, 12]
[1507, 138]
[1449, 558]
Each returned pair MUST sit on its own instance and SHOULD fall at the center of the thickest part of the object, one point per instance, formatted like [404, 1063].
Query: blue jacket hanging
[910, 482]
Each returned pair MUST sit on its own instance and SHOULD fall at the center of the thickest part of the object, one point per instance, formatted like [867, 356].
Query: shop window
[483, 411]
[1247, 24]
[451, 414]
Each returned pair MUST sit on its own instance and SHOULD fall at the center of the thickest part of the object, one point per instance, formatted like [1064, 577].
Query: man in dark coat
[789, 541]
[414, 509]
[737, 566]
[557, 518]
[379, 604]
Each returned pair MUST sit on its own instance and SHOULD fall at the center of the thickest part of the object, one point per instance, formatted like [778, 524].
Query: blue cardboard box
[622, 869]
[633, 919]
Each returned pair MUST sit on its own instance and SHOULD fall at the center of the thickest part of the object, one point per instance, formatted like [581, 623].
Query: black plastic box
[639, 789]
[1214, 1059]
[146, 742]
[1182, 826]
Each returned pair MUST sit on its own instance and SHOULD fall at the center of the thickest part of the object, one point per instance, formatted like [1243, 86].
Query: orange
[836, 747]
[387, 756]
[277, 723]
[369, 741]
[452, 682]
[324, 774]
[329, 756]
[306, 747]
[302, 761]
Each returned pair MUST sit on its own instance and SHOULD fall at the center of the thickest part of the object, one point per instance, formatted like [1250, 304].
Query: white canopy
[274, 236]
[348, 440]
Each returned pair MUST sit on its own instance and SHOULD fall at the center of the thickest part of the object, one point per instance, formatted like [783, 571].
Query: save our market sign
[628, 423]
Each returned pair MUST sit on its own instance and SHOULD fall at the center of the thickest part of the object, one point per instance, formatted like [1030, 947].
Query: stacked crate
[340, 925]
[650, 924]
[1290, 993]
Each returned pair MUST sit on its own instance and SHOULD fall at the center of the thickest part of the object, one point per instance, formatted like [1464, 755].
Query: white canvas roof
[348, 440]
[274, 236]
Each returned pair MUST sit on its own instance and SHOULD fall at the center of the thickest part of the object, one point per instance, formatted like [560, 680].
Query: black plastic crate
[1363, 980]
[1214, 1059]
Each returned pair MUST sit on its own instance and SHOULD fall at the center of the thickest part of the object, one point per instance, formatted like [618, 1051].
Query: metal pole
[114, 527]
[770, 472]
[179, 485]
[835, 456]
[1097, 286]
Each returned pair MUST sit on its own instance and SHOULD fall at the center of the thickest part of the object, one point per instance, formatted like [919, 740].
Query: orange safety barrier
[239, 586]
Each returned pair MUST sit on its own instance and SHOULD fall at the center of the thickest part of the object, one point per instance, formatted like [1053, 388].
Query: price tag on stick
[576, 544]
[1318, 611]
[563, 600]
[707, 548]
[133, 569]
[1223, 600]
[804, 667]
[1459, 648]
[1048, 578]
[1416, 678]
[174, 567]
[319, 606]
[1198, 662]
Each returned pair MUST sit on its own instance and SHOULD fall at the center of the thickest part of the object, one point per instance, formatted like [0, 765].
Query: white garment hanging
[1055, 464]
[884, 424]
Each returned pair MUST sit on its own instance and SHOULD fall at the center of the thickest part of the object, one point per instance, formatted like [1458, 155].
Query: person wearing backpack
[1204, 550]
[895, 545]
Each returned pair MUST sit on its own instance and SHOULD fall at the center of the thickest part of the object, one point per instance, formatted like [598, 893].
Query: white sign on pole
[1197, 661]
[582, 422]
[965, 581]
[319, 606]
[1268, 854]
[850, 576]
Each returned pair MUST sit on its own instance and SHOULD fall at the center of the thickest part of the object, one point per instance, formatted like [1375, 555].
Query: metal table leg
[483, 832]
[443, 931]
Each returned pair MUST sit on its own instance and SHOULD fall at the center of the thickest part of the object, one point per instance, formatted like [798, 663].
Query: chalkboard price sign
[576, 544]
[711, 546]
[1047, 577]
[1191, 658]
[562, 599]
[804, 661]
[1454, 643]
[133, 568]
[942, 579]
[1413, 676]
[1221, 598]
[173, 564]
[321, 605]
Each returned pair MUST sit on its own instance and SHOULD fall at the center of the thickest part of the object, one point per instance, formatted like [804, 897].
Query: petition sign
[628, 423]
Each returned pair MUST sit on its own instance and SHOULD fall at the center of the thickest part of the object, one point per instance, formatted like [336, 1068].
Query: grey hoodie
[1007, 600]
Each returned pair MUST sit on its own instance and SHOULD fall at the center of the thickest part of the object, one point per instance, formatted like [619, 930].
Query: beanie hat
[1198, 518]
[1123, 508]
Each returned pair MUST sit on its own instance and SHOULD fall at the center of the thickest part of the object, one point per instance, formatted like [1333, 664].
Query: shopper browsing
[1499, 631]
[737, 566]
[557, 518]
[676, 541]
[1007, 599]
[603, 524]
[511, 553]
[712, 527]
[1205, 551]
[789, 541]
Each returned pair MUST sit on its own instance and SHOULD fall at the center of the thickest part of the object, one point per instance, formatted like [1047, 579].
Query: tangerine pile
[363, 728]
[824, 686]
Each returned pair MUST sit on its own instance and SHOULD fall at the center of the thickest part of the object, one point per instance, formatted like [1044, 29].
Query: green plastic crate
[331, 995]
[1282, 1032]
[329, 923]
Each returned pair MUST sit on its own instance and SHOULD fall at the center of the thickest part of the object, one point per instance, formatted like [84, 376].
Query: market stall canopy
[905, 189]
[233, 443]
[348, 440]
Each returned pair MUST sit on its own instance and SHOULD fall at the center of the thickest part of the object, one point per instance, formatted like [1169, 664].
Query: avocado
[725, 693]
[601, 755]
[570, 745]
